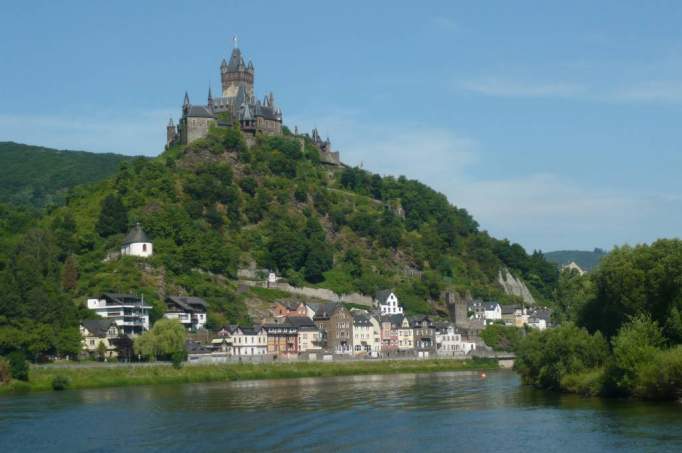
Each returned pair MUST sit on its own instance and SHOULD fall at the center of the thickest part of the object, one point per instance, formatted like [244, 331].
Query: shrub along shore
[44, 378]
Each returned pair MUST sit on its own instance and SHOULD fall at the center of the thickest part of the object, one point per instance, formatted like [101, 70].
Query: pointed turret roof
[236, 60]
[136, 235]
[185, 102]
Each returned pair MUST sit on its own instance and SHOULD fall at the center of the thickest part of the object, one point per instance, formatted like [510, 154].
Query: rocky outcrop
[514, 286]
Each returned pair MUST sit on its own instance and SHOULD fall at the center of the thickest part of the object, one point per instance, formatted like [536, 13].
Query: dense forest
[587, 260]
[40, 177]
[217, 205]
[621, 331]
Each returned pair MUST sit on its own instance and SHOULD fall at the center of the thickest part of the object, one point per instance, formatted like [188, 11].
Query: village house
[488, 312]
[245, 341]
[190, 311]
[281, 310]
[136, 243]
[282, 339]
[390, 325]
[336, 323]
[424, 336]
[387, 303]
[540, 319]
[129, 312]
[405, 335]
[514, 315]
[98, 338]
[366, 334]
[449, 342]
[309, 336]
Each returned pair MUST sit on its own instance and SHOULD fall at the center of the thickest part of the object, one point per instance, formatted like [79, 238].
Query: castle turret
[236, 73]
[210, 99]
[170, 133]
[185, 104]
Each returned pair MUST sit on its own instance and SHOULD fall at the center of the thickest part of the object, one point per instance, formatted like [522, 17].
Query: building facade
[189, 311]
[99, 331]
[136, 243]
[366, 334]
[387, 303]
[424, 336]
[128, 311]
[282, 339]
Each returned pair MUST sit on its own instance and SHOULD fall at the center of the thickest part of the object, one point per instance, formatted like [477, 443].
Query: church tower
[235, 74]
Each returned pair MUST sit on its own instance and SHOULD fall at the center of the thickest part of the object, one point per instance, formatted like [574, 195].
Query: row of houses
[511, 315]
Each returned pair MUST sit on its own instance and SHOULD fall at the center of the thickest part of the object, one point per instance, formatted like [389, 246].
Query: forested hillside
[587, 260]
[217, 205]
[38, 177]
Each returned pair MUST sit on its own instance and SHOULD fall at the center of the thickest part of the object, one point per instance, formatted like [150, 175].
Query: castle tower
[210, 99]
[235, 74]
[170, 133]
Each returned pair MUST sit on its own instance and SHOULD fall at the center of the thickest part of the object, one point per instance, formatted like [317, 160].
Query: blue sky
[556, 124]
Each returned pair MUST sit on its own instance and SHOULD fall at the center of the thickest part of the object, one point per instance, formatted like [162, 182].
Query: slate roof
[121, 299]
[199, 111]
[326, 310]
[361, 319]
[98, 327]
[395, 320]
[136, 235]
[189, 304]
[300, 322]
[510, 309]
[382, 295]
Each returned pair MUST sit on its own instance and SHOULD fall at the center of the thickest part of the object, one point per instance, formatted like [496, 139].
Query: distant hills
[38, 177]
[587, 260]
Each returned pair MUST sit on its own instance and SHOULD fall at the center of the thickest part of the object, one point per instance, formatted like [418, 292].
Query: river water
[413, 412]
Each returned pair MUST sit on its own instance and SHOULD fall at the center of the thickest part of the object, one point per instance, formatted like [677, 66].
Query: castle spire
[185, 103]
[210, 98]
[235, 42]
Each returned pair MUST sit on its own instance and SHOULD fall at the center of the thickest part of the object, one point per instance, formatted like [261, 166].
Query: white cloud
[493, 86]
[135, 133]
[652, 91]
[539, 210]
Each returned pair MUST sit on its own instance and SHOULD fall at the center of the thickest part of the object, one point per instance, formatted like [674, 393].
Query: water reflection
[367, 413]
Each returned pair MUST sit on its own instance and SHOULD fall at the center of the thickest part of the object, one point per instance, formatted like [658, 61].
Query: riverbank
[43, 378]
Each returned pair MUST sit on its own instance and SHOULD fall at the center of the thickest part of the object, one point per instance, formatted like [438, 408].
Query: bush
[60, 383]
[18, 365]
[5, 371]
[501, 337]
[177, 358]
[545, 358]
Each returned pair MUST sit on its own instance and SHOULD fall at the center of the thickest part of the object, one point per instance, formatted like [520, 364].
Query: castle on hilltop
[236, 105]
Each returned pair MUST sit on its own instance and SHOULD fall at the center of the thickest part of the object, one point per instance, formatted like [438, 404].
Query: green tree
[70, 274]
[113, 217]
[18, 365]
[166, 338]
[501, 337]
[318, 261]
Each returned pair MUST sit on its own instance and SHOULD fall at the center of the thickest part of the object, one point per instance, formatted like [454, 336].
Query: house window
[144, 247]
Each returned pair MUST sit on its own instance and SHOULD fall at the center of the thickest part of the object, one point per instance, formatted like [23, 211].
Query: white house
[387, 302]
[366, 334]
[537, 323]
[246, 341]
[190, 311]
[137, 243]
[488, 312]
[449, 343]
[128, 311]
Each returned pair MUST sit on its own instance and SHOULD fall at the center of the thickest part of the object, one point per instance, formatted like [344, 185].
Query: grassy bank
[41, 379]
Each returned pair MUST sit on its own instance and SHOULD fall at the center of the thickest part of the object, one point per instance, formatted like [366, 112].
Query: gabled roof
[418, 320]
[326, 310]
[382, 296]
[236, 60]
[199, 111]
[300, 322]
[98, 327]
[395, 320]
[361, 319]
[510, 309]
[136, 235]
[189, 304]
[121, 299]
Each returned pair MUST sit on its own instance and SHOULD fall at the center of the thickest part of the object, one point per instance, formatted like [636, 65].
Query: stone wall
[318, 293]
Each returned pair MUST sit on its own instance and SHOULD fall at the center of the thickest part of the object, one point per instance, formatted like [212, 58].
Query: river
[414, 412]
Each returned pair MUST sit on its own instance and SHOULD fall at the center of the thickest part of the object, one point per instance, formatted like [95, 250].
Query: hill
[38, 177]
[215, 206]
[585, 259]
